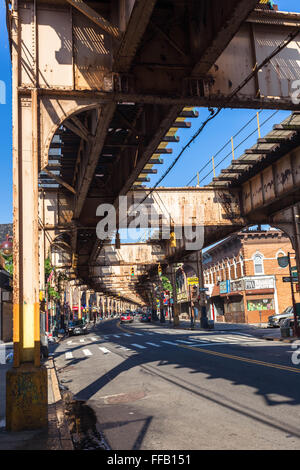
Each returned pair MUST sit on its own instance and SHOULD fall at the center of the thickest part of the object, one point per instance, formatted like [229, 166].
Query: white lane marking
[212, 344]
[170, 342]
[139, 334]
[87, 352]
[116, 336]
[104, 350]
[82, 340]
[138, 346]
[184, 342]
[94, 339]
[153, 344]
[126, 334]
[69, 355]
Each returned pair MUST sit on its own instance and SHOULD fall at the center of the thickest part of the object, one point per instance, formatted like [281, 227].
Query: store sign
[182, 297]
[257, 284]
[236, 286]
[224, 287]
[192, 281]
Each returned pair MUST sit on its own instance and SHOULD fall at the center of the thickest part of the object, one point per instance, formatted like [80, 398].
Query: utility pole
[202, 295]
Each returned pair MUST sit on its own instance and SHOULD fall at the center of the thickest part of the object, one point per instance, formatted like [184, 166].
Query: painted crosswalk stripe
[116, 336]
[153, 344]
[184, 342]
[69, 355]
[104, 350]
[138, 346]
[139, 334]
[126, 334]
[170, 342]
[87, 352]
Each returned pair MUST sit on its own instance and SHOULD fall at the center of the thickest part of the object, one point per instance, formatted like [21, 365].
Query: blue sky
[212, 139]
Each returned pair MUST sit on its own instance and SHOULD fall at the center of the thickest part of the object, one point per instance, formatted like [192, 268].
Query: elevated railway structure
[99, 90]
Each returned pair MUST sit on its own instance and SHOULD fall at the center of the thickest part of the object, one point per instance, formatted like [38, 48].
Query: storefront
[246, 300]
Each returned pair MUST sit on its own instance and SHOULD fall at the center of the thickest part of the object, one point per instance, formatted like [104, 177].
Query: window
[263, 304]
[234, 267]
[258, 264]
[242, 265]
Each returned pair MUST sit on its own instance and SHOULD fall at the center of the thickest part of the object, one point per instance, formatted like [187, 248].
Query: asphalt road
[156, 388]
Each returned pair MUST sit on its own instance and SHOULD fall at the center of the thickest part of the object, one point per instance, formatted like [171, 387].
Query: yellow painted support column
[26, 383]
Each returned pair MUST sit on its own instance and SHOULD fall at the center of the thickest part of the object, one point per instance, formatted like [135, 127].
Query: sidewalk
[56, 437]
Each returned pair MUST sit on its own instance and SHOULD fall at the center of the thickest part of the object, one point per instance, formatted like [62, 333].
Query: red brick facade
[254, 289]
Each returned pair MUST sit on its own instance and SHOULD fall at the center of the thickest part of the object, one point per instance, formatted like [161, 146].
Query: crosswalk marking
[170, 342]
[87, 352]
[126, 334]
[138, 346]
[116, 336]
[184, 342]
[104, 350]
[69, 355]
[138, 334]
[154, 344]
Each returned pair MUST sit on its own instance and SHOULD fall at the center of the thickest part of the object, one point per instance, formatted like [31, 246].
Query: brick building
[244, 279]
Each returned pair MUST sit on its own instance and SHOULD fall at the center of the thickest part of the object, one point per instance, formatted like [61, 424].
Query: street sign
[192, 281]
[283, 261]
[203, 289]
[290, 279]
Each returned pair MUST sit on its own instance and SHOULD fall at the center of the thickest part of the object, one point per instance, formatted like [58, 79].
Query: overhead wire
[223, 147]
[237, 146]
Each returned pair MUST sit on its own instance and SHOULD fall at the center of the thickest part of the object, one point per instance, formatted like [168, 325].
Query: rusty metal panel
[92, 55]
[276, 78]
[246, 197]
[55, 49]
[234, 65]
[284, 177]
[268, 184]
[27, 54]
[256, 191]
[295, 158]
[65, 209]
[251, 45]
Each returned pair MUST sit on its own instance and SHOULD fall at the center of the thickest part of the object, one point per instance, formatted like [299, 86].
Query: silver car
[277, 319]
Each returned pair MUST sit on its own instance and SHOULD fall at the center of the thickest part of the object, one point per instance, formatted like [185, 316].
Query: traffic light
[74, 261]
[194, 293]
[132, 271]
[172, 239]
[159, 270]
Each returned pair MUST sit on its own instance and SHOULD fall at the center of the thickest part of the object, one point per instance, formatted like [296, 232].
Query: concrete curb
[56, 412]
[282, 340]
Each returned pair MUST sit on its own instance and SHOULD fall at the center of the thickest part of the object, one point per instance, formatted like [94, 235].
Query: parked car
[126, 317]
[277, 319]
[146, 317]
[77, 327]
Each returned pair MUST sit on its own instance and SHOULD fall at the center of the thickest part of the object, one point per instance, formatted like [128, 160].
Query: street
[153, 387]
